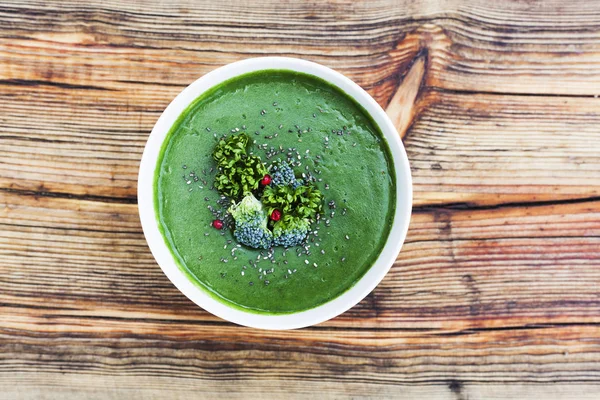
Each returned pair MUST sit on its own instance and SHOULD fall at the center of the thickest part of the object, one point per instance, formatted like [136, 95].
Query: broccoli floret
[290, 231]
[282, 174]
[251, 223]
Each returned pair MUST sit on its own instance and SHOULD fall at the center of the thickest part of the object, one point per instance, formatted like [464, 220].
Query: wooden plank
[482, 149]
[476, 46]
[196, 356]
[73, 386]
[458, 269]
[468, 148]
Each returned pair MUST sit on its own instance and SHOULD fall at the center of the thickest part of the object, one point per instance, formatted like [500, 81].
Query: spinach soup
[275, 192]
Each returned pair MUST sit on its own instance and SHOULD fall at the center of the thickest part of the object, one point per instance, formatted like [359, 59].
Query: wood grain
[495, 294]
[471, 148]
[458, 269]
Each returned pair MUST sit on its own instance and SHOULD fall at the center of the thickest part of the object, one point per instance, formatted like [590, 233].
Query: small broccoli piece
[251, 223]
[290, 231]
[282, 174]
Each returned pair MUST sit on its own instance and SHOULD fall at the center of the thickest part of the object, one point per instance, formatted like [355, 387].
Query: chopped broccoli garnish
[290, 231]
[251, 223]
[282, 174]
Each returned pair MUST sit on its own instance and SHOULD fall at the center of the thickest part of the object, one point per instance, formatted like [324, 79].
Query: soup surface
[328, 139]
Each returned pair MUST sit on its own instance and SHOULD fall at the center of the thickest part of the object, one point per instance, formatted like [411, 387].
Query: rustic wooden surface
[496, 292]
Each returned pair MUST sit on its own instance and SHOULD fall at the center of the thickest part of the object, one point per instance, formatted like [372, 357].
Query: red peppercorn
[266, 180]
[218, 224]
[276, 215]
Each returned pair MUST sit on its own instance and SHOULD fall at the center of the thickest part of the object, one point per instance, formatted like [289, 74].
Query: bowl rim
[199, 296]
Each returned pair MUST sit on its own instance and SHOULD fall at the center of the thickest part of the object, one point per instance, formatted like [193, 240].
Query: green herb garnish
[239, 173]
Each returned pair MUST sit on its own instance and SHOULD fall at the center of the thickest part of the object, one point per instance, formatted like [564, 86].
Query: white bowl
[327, 310]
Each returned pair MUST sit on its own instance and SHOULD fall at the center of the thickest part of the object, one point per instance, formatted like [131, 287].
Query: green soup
[288, 116]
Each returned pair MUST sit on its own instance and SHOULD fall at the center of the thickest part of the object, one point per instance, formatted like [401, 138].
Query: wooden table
[495, 294]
